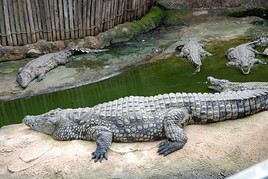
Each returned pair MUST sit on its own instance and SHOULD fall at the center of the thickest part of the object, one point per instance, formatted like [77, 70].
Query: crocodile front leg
[174, 120]
[103, 137]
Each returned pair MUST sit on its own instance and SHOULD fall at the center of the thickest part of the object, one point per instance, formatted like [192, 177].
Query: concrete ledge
[213, 151]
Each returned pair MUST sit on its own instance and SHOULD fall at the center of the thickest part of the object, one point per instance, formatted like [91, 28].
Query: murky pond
[169, 75]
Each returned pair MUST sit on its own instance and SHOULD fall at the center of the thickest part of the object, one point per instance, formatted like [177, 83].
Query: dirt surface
[212, 151]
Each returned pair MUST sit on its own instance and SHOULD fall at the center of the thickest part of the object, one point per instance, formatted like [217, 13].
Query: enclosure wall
[27, 21]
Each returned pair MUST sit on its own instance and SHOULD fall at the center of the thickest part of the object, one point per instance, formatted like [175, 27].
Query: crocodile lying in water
[194, 52]
[139, 119]
[221, 85]
[244, 55]
[191, 49]
[38, 67]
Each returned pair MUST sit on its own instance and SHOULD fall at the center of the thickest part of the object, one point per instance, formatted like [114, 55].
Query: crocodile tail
[216, 107]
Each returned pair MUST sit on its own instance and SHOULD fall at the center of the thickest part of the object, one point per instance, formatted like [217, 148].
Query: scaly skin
[38, 67]
[221, 85]
[194, 52]
[190, 49]
[244, 56]
[138, 118]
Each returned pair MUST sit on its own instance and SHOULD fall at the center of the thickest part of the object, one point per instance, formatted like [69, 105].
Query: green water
[171, 75]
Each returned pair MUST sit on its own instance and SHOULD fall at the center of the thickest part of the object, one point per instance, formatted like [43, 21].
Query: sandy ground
[212, 151]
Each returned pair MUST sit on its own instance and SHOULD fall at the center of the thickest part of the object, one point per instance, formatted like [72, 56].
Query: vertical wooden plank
[30, 19]
[61, 15]
[48, 20]
[27, 23]
[22, 21]
[126, 10]
[52, 19]
[2, 25]
[103, 12]
[84, 17]
[7, 23]
[111, 13]
[107, 16]
[80, 23]
[123, 11]
[95, 19]
[88, 31]
[111, 17]
[17, 24]
[35, 15]
[12, 22]
[38, 18]
[66, 19]
[93, 30]
[43, 19]
[76, 24]
[70, 3]
[56, 19]
[97, 16]
[115, 22]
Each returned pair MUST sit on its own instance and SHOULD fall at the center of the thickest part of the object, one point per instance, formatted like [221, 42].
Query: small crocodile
[244, 55]
[38, 67]
[140, 119]
[190, 48]
[193, 51]
[221, 85]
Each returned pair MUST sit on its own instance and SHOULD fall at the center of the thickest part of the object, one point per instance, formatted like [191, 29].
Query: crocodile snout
[28, 120]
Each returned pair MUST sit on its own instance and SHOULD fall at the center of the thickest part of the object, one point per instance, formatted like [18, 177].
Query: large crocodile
[244, 55]
[138, 118]
[38, 67]
[221, 85]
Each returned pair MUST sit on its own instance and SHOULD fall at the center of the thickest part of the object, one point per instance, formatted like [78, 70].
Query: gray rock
[34, 53]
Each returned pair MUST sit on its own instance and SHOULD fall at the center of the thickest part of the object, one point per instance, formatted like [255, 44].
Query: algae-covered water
[169, 75]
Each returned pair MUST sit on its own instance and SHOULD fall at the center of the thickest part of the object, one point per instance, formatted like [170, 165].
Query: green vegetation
[153, 19]
[128, 30]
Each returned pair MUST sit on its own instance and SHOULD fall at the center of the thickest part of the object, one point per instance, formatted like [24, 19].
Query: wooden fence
[27, 21]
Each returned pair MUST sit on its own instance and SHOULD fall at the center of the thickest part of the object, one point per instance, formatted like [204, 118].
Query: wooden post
[17, 22]
[30, 19]
[2, 25]
[93, 21]
[84, 17]
[56, 18]
[71, 16]
[76, 23]
[7, 23]
[12, 22]
[39, 21]
[35, 19]
[80, 23]
[88, 18]
[61, 20]
[66, 19]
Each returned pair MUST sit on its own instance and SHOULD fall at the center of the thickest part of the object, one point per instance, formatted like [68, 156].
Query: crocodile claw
[99, 155]
[167, 147]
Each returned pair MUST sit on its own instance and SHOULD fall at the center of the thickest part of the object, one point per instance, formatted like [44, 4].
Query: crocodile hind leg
[103, 137]
[174, 120]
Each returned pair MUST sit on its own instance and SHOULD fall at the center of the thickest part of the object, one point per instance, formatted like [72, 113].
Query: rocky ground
[212, 151]
[86, 69]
